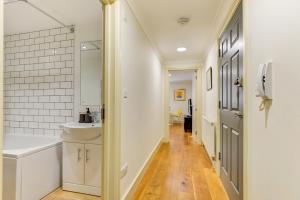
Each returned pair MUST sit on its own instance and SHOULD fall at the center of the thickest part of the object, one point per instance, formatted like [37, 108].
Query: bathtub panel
[11, 179]
[41, 173]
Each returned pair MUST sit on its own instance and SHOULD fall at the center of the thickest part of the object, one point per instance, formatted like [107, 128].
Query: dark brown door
[231, 106]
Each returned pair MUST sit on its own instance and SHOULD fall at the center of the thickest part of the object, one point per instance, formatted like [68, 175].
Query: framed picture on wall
[180, 95]
[209, 79]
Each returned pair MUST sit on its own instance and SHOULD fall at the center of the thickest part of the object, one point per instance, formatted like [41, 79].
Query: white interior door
[73, 165]
[194, 103]
[93, 168]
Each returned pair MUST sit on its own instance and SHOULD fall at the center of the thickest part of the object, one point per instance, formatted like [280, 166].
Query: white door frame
[112, 101]
[198, 104]
[1, 94]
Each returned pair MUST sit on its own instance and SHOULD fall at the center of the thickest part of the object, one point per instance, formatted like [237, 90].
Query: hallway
[180, 170]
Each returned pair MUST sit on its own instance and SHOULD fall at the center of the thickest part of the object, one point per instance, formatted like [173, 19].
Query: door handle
[238, 114]
[87, 155]
[78, 155]
[238, 82]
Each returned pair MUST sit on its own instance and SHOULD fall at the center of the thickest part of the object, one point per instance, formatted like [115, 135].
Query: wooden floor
[180, 170]
[62, 195]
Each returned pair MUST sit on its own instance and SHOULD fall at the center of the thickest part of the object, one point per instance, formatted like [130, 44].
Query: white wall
[210, 98]
[38, 72]
[210, 103]
[272, 34]
[142, 124]
[183, 105]
[39, 79]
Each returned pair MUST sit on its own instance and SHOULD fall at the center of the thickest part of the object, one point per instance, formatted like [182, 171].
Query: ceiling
[159, 20]
[20, 17]
[177, 76]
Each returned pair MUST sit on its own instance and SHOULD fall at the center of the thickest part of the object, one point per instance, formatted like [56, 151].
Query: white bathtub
[31, 167]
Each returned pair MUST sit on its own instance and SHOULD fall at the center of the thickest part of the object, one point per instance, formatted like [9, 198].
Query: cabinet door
[73, 163]
[93, 162]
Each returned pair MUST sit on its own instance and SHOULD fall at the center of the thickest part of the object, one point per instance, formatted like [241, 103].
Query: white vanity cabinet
[93, 167]
[73, 163]
[82, 157]
[82, 167]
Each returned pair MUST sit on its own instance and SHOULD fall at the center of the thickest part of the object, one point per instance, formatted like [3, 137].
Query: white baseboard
[96, 191]
[131, 190]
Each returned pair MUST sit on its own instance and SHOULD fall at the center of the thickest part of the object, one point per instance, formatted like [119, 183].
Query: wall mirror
[90, 73]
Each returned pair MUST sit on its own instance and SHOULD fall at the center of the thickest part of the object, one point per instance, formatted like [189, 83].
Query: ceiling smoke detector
[183, 20]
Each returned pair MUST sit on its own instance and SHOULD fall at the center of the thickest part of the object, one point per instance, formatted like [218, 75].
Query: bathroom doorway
[53, 74]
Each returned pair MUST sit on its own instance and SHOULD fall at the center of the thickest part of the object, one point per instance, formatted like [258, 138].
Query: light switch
[125, 93]
[124, 170]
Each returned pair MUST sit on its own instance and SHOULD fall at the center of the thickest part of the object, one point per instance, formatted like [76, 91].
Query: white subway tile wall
[39, 81]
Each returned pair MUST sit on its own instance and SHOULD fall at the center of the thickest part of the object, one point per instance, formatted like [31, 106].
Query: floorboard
[181, 170]
[64, 195]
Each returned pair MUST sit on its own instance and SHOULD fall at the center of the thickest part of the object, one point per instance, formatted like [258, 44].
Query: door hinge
[219, 104]
[220, 155]
[103, 113]
[219, 53]
[196, 133]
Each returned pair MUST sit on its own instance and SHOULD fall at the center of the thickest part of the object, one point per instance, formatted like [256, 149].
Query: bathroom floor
[63, 195]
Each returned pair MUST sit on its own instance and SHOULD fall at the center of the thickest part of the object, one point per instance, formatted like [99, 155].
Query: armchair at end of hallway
[176, 117]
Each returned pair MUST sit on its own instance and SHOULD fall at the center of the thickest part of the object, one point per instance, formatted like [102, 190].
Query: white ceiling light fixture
[203, 15]
[183, 21]
[181, 49]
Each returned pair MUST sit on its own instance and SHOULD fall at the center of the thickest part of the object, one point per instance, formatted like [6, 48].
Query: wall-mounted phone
[264, 81]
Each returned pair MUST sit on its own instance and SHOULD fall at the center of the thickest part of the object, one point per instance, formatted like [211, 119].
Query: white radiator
[209, 137]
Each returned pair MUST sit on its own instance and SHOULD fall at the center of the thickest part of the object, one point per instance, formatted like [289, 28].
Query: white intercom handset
[264, 84]
[264, 81]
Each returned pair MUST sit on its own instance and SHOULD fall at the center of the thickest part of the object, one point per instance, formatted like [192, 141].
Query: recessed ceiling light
[83, 47]
[181, 49]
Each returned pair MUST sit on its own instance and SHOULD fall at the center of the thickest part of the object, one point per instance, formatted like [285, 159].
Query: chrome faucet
[95, 116]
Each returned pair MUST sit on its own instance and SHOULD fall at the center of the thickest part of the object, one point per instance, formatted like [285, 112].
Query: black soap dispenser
[88, 117]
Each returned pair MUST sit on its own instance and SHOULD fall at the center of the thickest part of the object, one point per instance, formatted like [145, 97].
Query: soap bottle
[88, 118]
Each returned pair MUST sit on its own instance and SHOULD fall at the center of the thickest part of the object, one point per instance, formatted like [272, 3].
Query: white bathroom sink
[81, 131]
